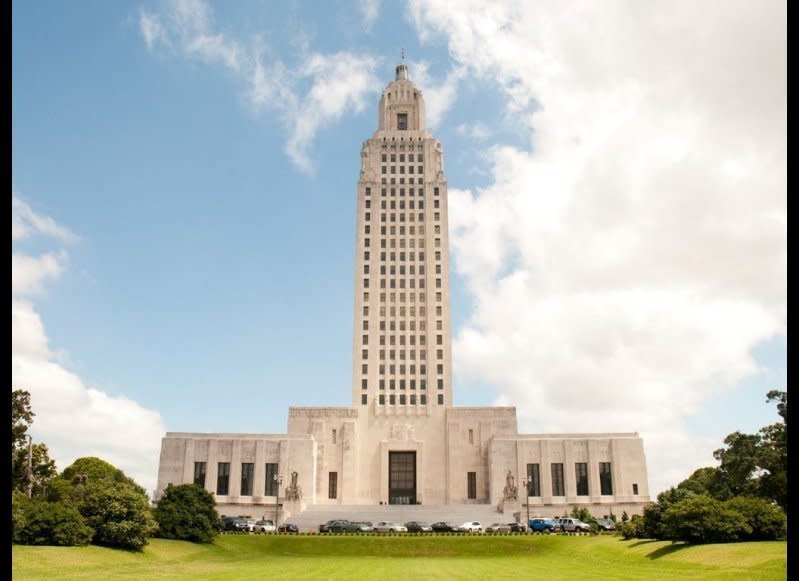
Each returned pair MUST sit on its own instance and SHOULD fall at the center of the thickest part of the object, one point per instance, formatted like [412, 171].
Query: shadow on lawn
[662, 551]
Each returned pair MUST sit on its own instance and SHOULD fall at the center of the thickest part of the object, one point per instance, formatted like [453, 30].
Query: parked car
[418, 527]
[605, 524]
[288, 527]
[572, 525]
[364, 526]
[263, 526]
[334, 526]
[390, 527]
[443, 527]
[517, 527]
[498, 527]
[472, 526]
[344, 526]
[541, 525]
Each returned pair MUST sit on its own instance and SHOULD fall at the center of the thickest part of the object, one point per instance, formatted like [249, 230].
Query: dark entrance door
[402, 477]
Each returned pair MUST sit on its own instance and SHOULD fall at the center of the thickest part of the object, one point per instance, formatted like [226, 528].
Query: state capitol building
[402, 441]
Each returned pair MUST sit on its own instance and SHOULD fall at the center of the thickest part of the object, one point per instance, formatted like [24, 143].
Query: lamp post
[278, 478]
[525, 483]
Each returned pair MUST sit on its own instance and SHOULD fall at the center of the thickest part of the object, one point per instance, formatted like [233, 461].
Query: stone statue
[510, 491]
[293, 490]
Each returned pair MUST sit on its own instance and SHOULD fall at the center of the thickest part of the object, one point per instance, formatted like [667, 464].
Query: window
[440, 399]
[199, 474]
[440, 383]
[247, 473]
[222, 478]
[471, 436]
[605, 479]
[402, 121]
[533, 480]
[332, 484]
[635, 489]
[334, 436]
[270, 488]
[471, 485]
[363, 399]
[557, 479]
[365, 354]
[382, 399]
[581, 478]
[423, 399]
[364, 384]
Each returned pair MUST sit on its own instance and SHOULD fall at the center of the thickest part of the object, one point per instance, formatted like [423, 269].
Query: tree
[702, 519]
[767, 522]
[773, 482]
[708, 480]
[31, 465]
[112, 503]
[582, 513]
[49, 523]
[187, 512]
[21, 418]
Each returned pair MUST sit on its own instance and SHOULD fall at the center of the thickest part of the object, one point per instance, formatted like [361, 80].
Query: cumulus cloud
[439, 95]
[72, 418]
[316, 92]
[625, 264]
[26, 223]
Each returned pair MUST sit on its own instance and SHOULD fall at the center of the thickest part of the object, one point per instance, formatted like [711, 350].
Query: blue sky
[618, 204]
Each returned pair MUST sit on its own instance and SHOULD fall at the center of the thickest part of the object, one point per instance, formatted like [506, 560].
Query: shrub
[49, 523]
[187, 512]
[766, 520]
[702, 519]
[19, 504]
[633, 528]
[120, 515]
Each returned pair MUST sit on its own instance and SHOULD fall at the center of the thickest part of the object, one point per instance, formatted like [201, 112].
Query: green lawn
[410, 557]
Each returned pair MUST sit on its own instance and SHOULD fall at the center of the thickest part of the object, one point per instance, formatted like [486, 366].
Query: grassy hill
[407, 557]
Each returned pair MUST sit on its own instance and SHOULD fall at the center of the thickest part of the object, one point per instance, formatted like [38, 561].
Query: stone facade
[402, 441]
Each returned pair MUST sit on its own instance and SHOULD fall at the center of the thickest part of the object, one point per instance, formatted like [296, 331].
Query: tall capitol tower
[401, 441]
[401, 363]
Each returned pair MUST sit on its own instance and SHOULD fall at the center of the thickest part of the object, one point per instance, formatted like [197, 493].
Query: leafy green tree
[701, 519]
[120, 515]
[766, 521]
[113, 504]
[19, 503]
[652, 526]
[708, 480]
[773, 482]
[49, 523]
[21, 418]
[582, 513]
[187, 512]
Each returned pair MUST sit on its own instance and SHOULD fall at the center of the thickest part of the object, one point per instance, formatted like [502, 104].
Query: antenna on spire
[402, 53]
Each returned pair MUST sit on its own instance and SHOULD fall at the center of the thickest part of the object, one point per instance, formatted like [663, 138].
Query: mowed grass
[407, 557]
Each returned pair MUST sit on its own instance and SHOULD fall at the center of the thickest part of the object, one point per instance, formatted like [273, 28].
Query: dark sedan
[418, 527]
[517, 527]
[288, 528]
[325, 527]
[343, 526]
[443, 527]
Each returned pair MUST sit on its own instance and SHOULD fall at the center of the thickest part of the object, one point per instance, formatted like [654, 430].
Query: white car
[263, 526]
[390, 527]
[472, 526]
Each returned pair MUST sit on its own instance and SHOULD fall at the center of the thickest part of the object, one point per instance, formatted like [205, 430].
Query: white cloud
[308, 97]
[623, 268]
[439, 96]
[73, 419]
[369, 10]
[28, 273]
[474, 130]
[26, 223]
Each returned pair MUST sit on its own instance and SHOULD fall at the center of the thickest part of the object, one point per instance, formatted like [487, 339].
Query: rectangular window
[222, 478]
[533, 480]
[270, 487]
[440, 399]
[402, 121]
[332, 484]
[364, 384]
[581, 478]
[635, 489]
[423, 399]
[605, 479]
[247, 474]
[557, 479]
[363, 399]
[471, 485]
[199, 473]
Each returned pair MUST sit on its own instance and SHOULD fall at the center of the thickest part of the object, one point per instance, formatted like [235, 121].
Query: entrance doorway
[402, 477]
